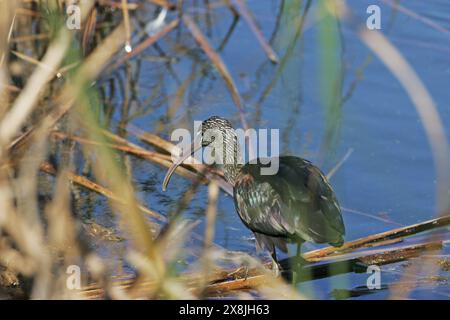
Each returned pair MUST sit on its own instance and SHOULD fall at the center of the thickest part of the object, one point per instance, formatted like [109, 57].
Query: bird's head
[211, 129]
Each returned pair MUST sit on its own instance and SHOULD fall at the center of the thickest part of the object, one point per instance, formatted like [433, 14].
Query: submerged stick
[387, 235]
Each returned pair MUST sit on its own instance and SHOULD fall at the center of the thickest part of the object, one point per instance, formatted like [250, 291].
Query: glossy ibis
[294, 205]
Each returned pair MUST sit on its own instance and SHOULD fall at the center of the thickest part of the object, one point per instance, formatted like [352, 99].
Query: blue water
[389, 174]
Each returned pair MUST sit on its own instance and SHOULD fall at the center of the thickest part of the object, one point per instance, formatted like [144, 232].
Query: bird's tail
[338, 242]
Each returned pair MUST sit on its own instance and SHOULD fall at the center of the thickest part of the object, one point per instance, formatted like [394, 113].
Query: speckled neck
[231, 167]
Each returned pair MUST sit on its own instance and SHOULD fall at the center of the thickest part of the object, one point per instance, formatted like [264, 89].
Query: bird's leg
[299, 262]
[275, 266]
[246, 273]
[246, 269]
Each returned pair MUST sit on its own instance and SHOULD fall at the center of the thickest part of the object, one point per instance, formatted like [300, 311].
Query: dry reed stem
[217, 61]
[319, 271]
[419, 95]
[129, 148]
[26, 101]
[146, 43]
[213, 194]
[338, 165]
[412, 14]
[126, 22]
[375, 238]
[90, 69]
[89, 29]
[211, 213]
[7, 25]
[171, 148]
[245, 13]
[422, 101]
[257, 279]
[88, 184]
[164, 3]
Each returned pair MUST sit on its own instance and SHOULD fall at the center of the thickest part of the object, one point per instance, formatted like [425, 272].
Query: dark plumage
[296, 204]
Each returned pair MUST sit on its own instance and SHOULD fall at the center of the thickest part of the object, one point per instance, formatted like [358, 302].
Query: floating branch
[320, 271]
[387, 235]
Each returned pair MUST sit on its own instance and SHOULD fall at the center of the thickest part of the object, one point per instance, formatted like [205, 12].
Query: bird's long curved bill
[194, 147]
